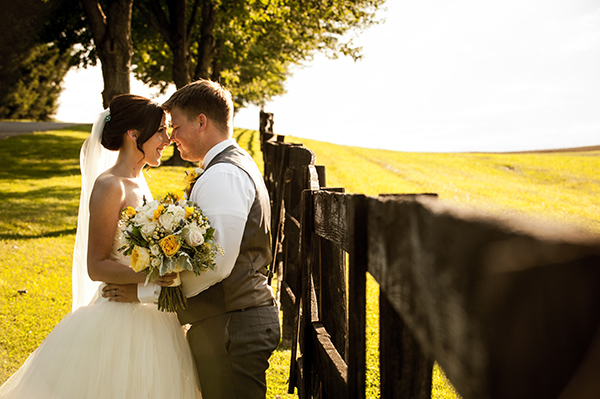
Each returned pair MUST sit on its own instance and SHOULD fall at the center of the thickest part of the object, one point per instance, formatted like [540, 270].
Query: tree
[111, 32]
[30, 69]
[248, 46]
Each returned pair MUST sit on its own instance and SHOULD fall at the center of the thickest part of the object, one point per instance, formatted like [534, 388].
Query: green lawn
[39, 193]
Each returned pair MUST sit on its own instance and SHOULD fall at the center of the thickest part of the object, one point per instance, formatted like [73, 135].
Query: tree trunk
[217, 65]
[206, 44]
[179, 42]
[181, 65]
[112, 37]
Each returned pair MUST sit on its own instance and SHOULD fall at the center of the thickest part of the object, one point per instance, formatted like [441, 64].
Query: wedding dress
[109, 350]
[106, 350]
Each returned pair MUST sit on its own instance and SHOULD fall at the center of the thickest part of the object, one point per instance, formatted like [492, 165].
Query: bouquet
[165, 236]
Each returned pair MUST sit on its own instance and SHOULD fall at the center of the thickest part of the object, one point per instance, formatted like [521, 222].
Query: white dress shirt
[225, 194]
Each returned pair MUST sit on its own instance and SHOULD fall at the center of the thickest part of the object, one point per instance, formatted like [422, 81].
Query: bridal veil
[94, 159]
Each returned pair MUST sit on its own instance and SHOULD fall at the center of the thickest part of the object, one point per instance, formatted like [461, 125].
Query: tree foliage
[30, 69]
[249, 46]
[35, 85]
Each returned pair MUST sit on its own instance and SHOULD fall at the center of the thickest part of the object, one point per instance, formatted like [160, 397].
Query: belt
[270, 302]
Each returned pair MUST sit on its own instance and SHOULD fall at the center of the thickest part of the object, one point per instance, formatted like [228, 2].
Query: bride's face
[155, 145]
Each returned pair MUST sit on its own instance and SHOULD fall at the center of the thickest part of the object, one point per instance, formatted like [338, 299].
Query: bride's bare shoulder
[108, 185]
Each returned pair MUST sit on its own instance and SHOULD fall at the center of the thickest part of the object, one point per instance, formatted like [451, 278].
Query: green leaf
[185, 262]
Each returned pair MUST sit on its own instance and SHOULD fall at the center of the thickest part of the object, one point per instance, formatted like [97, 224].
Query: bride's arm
[106, 202]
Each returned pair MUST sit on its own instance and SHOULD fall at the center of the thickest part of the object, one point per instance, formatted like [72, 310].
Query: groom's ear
[201, 119]
[132, 135]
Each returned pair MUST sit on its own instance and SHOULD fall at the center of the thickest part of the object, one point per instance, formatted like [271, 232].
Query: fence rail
[507, 309]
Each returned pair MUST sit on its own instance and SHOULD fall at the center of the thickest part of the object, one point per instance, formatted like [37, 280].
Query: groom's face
[185, 135]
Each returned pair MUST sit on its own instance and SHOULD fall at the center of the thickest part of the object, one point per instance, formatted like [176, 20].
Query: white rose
[145, 214]
[195, 235]
[141, 218]
[156, 262]
[155, 249]
[148, 229]
[167, 220]
[171, 218]
[177, 211]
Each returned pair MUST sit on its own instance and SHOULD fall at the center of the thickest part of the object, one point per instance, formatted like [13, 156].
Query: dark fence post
[331, 293]
[357, 318]
[266, 127]
[405, 370]
[303, 296]
[289, 275]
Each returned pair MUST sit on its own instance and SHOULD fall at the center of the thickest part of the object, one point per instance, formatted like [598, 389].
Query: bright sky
[437, 76]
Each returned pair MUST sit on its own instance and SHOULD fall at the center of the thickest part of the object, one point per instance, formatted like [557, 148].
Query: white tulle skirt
[109, 350]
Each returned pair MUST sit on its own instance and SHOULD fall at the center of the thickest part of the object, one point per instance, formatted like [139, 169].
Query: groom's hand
[120, 292]
[166, 280]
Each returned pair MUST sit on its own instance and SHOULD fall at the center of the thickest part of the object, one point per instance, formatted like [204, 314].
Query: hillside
[549, 186]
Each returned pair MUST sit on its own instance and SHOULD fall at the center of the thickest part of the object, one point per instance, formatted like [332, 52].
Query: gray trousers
[232, 352]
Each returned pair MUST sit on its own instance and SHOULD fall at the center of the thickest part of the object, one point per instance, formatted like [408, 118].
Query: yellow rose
[129, 211]
[140, 258]
[157, 212]
[170, 245]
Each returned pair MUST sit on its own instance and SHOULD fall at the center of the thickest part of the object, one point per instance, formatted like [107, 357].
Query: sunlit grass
[554, 187]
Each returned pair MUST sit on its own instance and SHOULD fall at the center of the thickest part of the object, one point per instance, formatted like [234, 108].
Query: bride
[105, 349]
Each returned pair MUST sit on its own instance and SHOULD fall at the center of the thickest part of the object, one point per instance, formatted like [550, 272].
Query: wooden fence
[508, 310]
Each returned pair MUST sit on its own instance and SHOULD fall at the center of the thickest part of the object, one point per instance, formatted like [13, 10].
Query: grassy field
[552, 187]
[39, 192]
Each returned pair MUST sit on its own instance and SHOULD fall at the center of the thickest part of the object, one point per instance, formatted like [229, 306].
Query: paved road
[8, 129]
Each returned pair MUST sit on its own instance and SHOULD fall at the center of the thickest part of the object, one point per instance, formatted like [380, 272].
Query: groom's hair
[128, 111]
[204, 97]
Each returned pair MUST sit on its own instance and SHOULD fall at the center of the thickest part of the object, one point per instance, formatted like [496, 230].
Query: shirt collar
[216, 150]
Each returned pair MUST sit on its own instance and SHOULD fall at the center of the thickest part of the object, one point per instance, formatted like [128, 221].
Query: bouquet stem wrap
[171, 298]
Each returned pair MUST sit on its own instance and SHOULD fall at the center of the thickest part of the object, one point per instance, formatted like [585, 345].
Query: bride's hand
[120, 292]
[166, 280]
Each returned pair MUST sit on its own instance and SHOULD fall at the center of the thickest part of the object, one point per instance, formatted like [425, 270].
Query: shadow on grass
[39, 156]
[51, 192]
[43, 212]
[58, 233]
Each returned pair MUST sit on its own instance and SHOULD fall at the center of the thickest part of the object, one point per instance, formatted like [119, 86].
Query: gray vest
[247, 285]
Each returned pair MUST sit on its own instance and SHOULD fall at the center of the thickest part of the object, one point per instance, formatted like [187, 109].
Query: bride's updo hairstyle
[131, 112]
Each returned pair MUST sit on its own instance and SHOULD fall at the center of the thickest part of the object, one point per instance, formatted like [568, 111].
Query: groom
[233, 315]
[232, 311]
